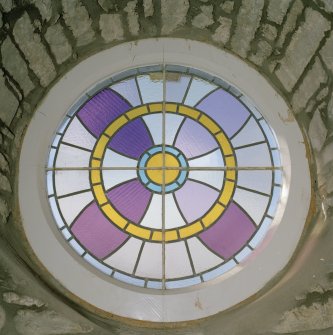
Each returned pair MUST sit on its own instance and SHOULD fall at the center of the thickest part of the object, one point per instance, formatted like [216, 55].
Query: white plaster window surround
[172, 305]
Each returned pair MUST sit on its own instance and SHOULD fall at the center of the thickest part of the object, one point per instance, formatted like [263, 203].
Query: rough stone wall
[289, 41]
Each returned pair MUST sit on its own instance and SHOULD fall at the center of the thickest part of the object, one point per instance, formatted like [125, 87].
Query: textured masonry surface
[289, 41]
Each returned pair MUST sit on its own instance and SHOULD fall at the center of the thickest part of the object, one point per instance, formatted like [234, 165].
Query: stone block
[269, 32]
[228, 6]
[318, 315]
[4, 213]
[264, 50]
[111, 27]
[327, 52]
[4, 183]
[205, 18]
[302, 47]
[317, 131]
[132, 17]
[7, 5]
[4, 166]
[78, 21]
[34, 51]
[44, 7]
[9, 103]
[2, 311]
[58, 42]
[248, 21]
[173, 14]
[16, 66]
[290, 23]
[21, 300]
[222, 32]
[310, 84]
[276, 10]
[29, 322]
[148, 8]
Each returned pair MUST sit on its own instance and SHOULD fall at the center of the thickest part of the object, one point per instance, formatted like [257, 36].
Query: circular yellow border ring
[156, 235]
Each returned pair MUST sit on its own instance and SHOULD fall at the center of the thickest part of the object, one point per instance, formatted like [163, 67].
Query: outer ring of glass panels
[123, 300]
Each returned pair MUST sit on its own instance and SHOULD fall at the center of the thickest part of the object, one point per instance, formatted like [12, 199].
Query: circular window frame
[173, 305]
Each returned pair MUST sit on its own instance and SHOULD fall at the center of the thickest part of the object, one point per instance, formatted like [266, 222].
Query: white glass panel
[213, 178]
[153, 216]
[78, 135]
[199, 88]
[257, 155]
[154, 124]
[172, 124]
[112, 178]
[177, 263]
[72, 157]
[254, 204]
[259, 180]
[251, 133]
[125, 258]
[172, 215]
[71, 181]
[71, 206]
[212, 159]
[151, 89]
[150, 263]
[113, 159]
[202, 258]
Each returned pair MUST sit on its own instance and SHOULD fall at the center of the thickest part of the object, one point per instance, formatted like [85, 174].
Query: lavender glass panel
[229, 233]
[129, 90]
[226, 110]
[194, 140]
[132, 139]
[175, 89]
[101, 110]
[130, 199]
[194, 199]
[96, 233]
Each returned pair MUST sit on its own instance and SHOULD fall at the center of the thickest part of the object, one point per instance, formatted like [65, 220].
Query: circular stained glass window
[164, 177]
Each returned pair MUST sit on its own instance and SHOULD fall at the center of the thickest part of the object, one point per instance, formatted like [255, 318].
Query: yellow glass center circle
[156, 163]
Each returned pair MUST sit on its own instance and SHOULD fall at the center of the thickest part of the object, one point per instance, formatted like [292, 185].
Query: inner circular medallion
[163, 167]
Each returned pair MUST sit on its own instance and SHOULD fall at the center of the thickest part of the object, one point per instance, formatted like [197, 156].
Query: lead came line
[195, 168]
[163, 176]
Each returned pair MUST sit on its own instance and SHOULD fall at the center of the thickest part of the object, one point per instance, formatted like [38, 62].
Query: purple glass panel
[194, 199]
[229, 233]
[194, 140]
[226, 110]
[96, 233]
[101, 110]
[132, 139]
[130, 199]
